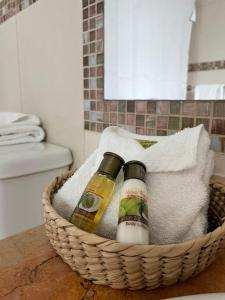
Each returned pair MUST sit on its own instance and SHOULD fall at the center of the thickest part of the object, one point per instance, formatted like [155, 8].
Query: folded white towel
[18, 128]
[210, 92]
[8, 119]
[179, 168]
[19, 134]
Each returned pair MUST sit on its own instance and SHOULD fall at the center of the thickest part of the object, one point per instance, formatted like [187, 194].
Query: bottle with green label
[133, 210]
[97, 193]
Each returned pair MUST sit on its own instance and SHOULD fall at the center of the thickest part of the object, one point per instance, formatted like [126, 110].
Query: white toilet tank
[25, 170]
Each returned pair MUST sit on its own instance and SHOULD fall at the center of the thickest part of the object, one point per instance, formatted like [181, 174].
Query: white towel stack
[18, 128]
[179, 167]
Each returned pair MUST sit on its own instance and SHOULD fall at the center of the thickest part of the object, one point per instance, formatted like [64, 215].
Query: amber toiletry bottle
[97, 193]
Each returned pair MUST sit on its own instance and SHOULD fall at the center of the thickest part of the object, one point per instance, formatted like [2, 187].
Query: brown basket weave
[119, 265]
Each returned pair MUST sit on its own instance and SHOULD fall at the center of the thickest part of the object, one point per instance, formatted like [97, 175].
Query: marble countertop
[30, 269]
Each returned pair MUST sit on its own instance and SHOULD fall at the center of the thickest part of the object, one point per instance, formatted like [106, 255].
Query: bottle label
[89, 204]
[133, 208]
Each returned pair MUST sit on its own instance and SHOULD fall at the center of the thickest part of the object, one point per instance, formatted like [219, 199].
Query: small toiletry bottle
[133, 210]
[97, 193]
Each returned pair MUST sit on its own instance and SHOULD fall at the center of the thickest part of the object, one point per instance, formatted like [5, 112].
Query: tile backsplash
[142, 117]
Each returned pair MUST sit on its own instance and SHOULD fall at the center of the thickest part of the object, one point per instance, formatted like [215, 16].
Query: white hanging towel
[210, 92]
[179, 168]
[147, 48]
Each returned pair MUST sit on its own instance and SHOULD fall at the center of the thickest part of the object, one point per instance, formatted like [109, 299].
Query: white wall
[9, 67]
[41, 55]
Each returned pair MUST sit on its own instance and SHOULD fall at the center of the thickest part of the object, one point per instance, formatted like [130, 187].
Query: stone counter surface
[30, 269]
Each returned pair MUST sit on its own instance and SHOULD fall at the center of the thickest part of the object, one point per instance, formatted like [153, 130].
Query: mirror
[164, 50]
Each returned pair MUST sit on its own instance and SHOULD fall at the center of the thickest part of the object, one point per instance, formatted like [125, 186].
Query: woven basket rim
[205, 239]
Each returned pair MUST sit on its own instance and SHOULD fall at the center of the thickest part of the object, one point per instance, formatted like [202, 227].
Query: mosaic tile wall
[9, 8]
[142, 117]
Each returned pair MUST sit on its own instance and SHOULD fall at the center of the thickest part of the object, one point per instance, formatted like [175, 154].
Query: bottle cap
[134, 169]
[111, 164]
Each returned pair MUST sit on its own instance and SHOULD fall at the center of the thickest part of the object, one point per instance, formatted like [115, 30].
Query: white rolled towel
[179, 168]
[18, 128]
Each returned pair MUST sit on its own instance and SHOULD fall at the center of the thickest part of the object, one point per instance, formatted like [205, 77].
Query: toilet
[25, 170]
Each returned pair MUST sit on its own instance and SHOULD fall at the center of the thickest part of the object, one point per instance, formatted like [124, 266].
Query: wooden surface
[30, 269]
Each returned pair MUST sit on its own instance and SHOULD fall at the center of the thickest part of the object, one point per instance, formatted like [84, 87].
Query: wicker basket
[119, 265]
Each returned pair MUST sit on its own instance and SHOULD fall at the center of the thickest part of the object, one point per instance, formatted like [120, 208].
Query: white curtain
[146, 48]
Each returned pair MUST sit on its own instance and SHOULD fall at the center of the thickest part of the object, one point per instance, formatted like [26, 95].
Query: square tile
[175, 107]
[85, 25]
[99, 46]
[92, 126]
[99, 127]
[113, 117]
[174, 123]
[99, 22]
[121, 106]
[86, 37]
[162, 122]
[163, 107]
[85, 3]
[92, 10]
[85, 49]
[131, 119]
[100, 7]
[92, 35]
[121, 118]
[140, 120]
[219, 109]
[86, 125]
[86, 115]
[189, 108]
[107, 105]
[151, 132]
[99, 34]
[86, 72]
[141, 106]
[106, 117]
[93, 105]
[100, 95]
[218, 126]
[92, 48]
[151, 107]
[85, 13]
[150, 121]
[113, 105]
[92, 23]
[130, 106]
[92, 72]
[100, 59]
[85, 60]
[100, 83]
[86, 94]
[203, 108]
[100, 106]
[92, 94]
[99, 71]
[86, 83]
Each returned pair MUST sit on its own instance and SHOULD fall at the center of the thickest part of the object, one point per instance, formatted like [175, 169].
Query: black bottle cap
[134, 169]
[111, 164]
